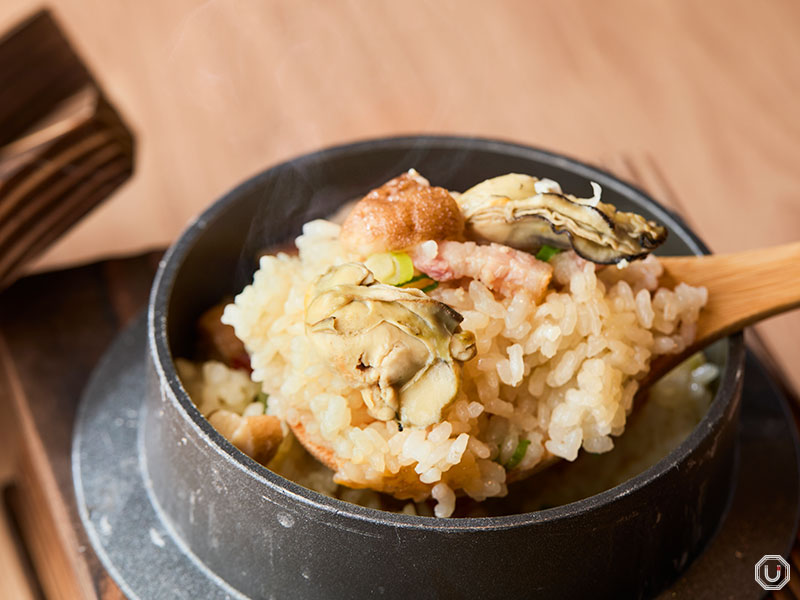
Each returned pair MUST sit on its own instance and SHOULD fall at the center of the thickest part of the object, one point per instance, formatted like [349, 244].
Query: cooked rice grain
[560, 374]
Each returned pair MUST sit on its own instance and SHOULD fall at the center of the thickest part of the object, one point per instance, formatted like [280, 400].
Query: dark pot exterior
[270, 538]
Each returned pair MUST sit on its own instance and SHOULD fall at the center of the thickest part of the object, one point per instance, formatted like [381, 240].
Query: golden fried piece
[402, 213]
[257, 436]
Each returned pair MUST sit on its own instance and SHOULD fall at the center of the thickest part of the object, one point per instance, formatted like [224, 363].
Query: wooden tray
[54, 329]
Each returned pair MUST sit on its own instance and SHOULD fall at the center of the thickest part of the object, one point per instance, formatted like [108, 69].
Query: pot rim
[159, 349]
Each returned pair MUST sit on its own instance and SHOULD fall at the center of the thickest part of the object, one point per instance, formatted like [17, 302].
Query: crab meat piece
[500, 268]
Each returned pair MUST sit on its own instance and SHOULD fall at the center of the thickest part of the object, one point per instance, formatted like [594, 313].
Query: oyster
[399, 346]
[525, 212]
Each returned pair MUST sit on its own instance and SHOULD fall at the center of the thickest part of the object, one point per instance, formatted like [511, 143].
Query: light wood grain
[219, 89]
[743, 288]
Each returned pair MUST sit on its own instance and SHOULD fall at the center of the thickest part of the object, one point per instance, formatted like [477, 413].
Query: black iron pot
[269, 537]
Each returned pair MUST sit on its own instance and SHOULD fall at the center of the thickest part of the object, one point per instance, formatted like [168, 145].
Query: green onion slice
[262, 397]
[546, 252]
[519, 454]
[392, 268]
[431, 287]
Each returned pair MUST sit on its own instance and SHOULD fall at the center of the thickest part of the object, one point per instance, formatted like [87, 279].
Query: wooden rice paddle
[743, 288]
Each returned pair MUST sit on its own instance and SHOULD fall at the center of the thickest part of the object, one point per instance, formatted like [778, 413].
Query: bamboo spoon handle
[743, 288]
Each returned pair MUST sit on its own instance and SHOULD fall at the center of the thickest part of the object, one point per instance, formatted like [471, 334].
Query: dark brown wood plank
[63, 146]
[55, 327]
[18, 582]
[37, 58]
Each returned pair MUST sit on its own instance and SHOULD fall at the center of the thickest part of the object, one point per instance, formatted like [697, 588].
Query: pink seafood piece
[500, 268]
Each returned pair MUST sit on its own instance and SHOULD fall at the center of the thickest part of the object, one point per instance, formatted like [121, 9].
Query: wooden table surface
[219, 89]
[694, 101]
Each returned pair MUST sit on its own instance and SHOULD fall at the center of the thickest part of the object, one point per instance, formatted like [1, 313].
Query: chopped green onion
[422, 282]
[262, 397]
[392, 268]
[519, 454]
[546, 252]
[381, 265]
[416, 278]
[404, 268]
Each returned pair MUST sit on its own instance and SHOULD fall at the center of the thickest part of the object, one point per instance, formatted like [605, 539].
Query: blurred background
[694, 101]
[216, 90]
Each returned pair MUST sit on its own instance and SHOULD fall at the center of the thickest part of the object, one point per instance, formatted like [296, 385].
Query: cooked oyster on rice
[415, 359]
[399, 347]
[525, 212]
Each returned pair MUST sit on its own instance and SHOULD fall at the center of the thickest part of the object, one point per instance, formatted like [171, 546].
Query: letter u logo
[772, 579]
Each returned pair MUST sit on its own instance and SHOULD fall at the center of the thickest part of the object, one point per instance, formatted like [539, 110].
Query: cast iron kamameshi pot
[271, 538]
